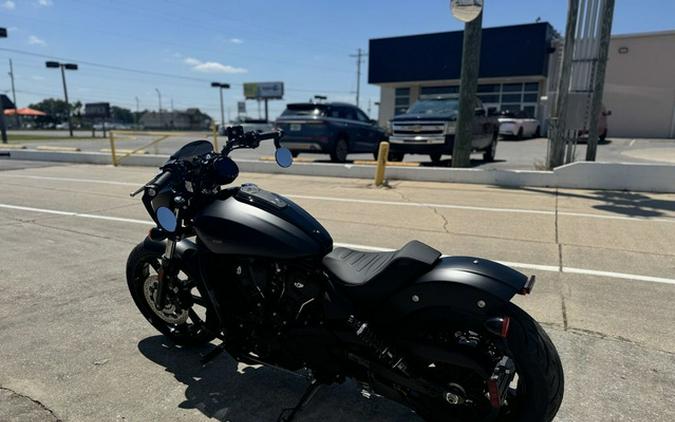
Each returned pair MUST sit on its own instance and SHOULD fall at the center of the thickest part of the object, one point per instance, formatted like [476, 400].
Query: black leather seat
[373, 275]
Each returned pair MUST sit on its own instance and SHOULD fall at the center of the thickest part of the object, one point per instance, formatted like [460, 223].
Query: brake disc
[172, 313]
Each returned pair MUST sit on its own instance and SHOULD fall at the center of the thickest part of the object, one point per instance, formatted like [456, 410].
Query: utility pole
[557, 146]
[598, 88]
[360, 54]
[16, 109]
[461, 152]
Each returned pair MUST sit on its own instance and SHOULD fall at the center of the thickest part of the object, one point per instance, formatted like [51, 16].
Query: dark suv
[337, 129]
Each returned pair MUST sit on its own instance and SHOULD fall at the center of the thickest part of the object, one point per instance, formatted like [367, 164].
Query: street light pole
[64, 67]
[65, 94]
[220, 87]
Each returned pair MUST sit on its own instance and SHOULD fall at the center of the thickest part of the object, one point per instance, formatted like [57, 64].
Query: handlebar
[161, 181]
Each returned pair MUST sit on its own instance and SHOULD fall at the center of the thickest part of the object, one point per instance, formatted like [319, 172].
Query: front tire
[183, 326]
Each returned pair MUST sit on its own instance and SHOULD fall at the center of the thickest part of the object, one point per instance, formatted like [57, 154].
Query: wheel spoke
[155, 265]
[198, 300]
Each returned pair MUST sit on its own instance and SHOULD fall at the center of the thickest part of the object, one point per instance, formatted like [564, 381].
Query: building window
[401, 100]
[439, 90]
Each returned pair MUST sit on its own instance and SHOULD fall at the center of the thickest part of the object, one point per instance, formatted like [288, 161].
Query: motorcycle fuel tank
[255, 222]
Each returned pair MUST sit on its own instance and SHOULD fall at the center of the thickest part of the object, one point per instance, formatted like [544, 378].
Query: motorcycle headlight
[166, 219]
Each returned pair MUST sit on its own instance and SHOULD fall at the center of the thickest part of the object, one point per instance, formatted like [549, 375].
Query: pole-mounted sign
[264, 90]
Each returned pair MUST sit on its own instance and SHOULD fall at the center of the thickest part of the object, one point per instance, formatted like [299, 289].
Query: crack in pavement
[432, 208]
[40, 405]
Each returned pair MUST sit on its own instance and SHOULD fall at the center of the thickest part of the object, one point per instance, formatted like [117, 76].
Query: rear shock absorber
[384, 352]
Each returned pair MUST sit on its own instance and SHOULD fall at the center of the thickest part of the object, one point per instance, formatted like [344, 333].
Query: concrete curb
[580, 175]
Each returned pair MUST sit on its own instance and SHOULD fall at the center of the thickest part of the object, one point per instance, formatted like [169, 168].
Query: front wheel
[534, 393]
[185, 318]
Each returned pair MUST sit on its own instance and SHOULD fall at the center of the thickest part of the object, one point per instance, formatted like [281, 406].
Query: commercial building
[518, 71]
[190, 119]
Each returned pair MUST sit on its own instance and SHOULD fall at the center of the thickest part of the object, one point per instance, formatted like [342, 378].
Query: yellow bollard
[382, 154]
[215, 137]
[112, 149]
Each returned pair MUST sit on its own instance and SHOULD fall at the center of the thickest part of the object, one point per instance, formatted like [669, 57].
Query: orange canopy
[25, 111]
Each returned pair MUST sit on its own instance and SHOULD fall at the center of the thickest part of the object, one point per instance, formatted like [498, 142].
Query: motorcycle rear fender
[467, 285]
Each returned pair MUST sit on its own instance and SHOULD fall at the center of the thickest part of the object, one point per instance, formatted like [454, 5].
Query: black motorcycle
[253, 269]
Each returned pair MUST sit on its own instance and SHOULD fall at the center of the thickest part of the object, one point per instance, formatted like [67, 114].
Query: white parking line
[391, 203]
[539, 267]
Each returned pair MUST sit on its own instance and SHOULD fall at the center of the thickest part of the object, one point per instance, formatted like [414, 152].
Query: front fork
[167, 269]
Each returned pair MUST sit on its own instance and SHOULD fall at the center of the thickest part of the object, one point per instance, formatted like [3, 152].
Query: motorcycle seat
[377, 273]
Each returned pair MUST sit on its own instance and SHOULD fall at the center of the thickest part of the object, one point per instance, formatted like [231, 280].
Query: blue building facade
[515, 63]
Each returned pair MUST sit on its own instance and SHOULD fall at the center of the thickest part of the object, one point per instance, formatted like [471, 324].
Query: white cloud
[34, 40]
[236, 40]
[9, 5]
[212, 67]
[45, 3]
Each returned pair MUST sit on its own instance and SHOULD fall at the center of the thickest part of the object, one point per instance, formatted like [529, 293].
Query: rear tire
[140, 265]
[537, 132]
[340, 151]
[294, 154]
[540, 384]
[520, 133]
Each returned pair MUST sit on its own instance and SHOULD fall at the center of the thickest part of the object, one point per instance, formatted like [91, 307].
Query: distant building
[190, 119]
[519, 67]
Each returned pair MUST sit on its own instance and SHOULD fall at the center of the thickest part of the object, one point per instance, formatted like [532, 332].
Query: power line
[148, 72]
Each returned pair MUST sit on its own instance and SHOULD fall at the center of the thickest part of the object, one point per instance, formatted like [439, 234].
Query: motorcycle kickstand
[212, 354]
[307, 396]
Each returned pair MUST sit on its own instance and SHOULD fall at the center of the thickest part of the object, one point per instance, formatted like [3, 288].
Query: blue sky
[304, 43]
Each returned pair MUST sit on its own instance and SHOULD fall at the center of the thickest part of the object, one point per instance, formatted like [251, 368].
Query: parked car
[333, 128]
[428, 127]
[518, 124]
[248, 124]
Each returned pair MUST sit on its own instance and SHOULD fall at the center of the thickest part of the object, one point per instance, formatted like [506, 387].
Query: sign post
[472, 14]
[93, 111]
[264, 91]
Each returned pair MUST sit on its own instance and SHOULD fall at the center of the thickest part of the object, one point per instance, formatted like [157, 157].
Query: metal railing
[117, 136]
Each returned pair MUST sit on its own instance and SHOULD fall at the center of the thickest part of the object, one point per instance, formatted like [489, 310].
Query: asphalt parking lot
[73, 346]
[511, 154]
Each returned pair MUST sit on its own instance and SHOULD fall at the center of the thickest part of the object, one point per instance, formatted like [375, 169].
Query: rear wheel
[534, 393]
[294, 154]
[340, 151]
[537, 132]
[185, 318]
[520, 133]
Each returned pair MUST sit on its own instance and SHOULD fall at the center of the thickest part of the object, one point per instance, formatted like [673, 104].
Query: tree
[57, 111]
[121, 115]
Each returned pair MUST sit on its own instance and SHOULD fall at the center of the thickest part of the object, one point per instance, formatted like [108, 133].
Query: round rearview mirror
[284, 157]
[466, 10]
[166, 219]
